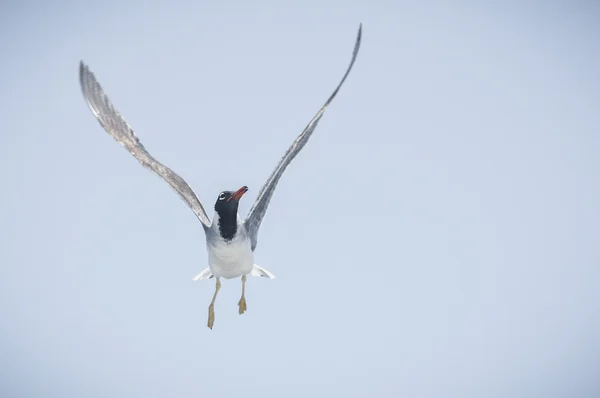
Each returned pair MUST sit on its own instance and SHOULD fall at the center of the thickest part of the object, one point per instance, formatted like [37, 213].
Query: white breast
[230, 259]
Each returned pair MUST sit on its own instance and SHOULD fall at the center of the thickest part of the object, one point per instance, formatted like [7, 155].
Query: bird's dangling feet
[211, 316]
[211, 307]
[242, 305]
[242, 302]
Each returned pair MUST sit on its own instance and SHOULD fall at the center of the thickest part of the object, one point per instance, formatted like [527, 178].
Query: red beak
[239, 193]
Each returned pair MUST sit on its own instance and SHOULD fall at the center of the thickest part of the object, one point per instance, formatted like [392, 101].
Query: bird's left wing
[259, 208]
[120, 130]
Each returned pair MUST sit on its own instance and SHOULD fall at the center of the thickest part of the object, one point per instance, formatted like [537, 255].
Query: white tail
[259, 271]
[256, 271]
[205, 274]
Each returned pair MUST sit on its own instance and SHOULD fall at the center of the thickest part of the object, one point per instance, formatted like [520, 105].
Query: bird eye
[221, 196]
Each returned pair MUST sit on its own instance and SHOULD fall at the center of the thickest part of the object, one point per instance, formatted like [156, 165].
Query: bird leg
[242, 302]
[211, 307]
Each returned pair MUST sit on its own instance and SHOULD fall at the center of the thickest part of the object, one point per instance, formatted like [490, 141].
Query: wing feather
[119, 129]
[259, 208]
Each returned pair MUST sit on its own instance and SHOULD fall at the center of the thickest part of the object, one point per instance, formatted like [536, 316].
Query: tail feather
[205, 274]
[256, 271]
[259, 271]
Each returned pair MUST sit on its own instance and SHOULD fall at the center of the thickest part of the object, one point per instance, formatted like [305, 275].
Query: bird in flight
[230, 242]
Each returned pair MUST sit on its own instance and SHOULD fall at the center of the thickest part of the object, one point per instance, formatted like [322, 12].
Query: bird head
[228, 201]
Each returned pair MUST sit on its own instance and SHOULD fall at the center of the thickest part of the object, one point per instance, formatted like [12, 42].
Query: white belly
[230, 260]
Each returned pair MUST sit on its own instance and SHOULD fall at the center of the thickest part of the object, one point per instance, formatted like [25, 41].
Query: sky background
[437, 237]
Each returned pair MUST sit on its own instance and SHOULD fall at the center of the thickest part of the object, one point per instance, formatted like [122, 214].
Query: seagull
[230, 241]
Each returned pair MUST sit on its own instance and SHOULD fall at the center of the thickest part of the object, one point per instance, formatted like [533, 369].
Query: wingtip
[83, 71]
[359, 35]
[81, 74]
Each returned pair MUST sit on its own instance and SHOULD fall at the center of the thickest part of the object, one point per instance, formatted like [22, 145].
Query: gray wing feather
[258, 210]
[119, 129]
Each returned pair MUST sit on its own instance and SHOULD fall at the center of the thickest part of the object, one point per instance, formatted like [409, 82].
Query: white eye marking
[222, 196]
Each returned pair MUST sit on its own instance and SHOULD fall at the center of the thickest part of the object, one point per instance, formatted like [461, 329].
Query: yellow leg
[211, 307]
[242, 302]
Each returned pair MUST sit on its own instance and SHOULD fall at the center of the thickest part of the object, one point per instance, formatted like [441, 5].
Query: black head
[226, 207]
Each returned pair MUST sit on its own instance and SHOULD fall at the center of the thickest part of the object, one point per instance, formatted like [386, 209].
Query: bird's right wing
[120, 130]
[258, 210]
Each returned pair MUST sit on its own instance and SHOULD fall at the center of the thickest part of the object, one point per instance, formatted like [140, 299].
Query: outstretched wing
[120, 130]
[258, 210]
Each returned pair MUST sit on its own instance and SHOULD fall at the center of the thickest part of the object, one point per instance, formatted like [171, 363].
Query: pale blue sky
[437, 237]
